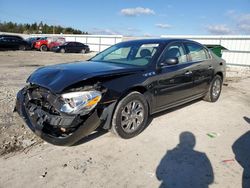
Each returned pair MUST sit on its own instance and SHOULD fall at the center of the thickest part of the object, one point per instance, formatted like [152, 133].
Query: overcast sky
[135, 17]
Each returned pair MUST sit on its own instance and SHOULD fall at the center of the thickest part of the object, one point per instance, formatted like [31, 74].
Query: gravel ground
[203, 158]
[15, 67]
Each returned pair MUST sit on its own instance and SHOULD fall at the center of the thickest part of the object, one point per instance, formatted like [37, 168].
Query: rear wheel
[62, 50]
[131, 115]
[43, 48]
[83, 51]
[214, 91]
[22, 47]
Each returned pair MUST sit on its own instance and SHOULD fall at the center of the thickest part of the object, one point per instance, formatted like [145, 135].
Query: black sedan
[118, 89]
[13, 42]
[74, 47]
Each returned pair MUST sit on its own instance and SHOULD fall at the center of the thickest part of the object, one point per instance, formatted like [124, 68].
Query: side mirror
[169, 61]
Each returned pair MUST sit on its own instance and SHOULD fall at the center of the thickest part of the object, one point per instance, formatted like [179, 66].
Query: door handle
[210, 67]
[188, 73]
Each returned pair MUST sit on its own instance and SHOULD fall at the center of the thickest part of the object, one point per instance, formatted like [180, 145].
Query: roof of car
[15, 36]
[154, 40]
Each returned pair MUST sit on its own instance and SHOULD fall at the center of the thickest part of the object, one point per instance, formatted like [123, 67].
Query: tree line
[36, 28]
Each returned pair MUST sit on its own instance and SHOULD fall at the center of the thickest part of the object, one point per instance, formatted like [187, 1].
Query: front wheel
[130, 116]
[214, 91]
[83, 51]
[43, 48]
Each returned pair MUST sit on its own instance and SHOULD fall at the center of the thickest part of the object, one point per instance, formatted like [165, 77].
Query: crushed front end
[59, 119]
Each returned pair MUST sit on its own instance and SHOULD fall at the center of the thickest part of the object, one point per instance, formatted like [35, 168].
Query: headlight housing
[80, 102]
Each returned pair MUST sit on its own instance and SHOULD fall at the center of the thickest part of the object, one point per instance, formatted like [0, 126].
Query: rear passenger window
[197, 52]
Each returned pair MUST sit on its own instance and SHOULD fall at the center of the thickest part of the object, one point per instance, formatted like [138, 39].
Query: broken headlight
[80, 102]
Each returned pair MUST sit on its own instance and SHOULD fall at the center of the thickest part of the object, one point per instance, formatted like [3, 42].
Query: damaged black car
[118, 89]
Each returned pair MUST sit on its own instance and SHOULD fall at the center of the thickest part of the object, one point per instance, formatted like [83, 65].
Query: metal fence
[237, 53]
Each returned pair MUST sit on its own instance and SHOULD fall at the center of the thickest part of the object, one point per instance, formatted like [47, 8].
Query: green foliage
[37, 28]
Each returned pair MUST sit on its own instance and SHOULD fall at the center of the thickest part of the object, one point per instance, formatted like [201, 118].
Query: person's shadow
[241, 149]
[185, 167]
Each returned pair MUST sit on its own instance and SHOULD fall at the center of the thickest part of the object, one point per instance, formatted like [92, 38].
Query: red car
[46, 43]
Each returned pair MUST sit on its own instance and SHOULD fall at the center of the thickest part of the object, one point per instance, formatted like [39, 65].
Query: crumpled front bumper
[88, 126]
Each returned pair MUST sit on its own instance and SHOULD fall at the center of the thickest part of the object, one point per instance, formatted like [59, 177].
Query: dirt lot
[102, 160]
[15, 67]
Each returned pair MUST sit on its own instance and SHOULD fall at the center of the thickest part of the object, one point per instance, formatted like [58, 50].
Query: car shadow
[246, 119]
[185, 167]
[97, 133]
[241, 149]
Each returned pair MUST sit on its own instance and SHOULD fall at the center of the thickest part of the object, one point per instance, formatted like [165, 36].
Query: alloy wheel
[132, 116]
[216, 88]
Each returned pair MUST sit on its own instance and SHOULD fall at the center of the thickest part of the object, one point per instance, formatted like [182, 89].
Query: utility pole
[40, 28]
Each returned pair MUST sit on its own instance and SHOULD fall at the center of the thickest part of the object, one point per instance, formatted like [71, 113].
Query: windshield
[133, 53]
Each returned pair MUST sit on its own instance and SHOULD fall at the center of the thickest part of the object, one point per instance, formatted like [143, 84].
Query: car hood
[58, 77]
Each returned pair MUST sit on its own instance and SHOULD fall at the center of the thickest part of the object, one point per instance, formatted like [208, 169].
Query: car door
[68, 47]
[79, 47]
[175, 82]
[2, 43]
[11, 43]
[74, 47]
[203, 69]
[7, 43]
[16, 43]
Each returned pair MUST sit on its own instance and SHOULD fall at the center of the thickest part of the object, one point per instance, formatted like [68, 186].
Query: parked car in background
[32, 40]
[118, 89]
[41, 44]
[46, 43]
[75, 47]
[56, 42]
[13, 42]
[14, 36]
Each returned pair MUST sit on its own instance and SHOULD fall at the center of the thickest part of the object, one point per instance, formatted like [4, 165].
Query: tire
[127, 124]
[83, 51]
[43, 48]
[22, 47]
[214, 91]
[62, 50]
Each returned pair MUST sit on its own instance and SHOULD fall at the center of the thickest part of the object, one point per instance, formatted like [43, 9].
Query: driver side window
[120, 53]
[175, 50]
